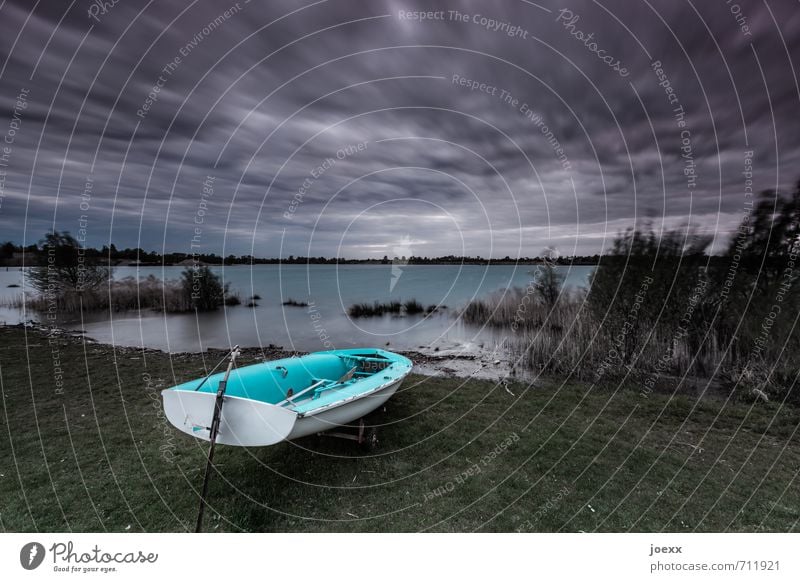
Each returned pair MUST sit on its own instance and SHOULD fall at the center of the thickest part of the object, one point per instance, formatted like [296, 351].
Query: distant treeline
[17, 255]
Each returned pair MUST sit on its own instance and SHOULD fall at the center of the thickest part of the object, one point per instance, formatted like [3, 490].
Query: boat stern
[244, 422]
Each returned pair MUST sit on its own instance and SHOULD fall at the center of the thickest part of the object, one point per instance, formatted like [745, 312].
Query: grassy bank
[454, 456]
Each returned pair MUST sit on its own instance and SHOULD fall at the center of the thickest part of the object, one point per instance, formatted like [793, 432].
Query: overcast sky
[251, 142]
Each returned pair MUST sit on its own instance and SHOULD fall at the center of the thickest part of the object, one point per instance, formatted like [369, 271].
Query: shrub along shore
[659, 306]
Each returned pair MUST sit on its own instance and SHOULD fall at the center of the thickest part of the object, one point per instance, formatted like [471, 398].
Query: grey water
[324, 323]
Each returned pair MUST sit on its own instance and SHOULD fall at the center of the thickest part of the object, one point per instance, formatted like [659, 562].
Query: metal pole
[215, 422]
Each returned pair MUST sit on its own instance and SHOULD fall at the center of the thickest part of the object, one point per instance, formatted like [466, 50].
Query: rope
[225, 357]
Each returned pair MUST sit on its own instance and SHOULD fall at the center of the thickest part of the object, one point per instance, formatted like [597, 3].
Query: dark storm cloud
[271, 100]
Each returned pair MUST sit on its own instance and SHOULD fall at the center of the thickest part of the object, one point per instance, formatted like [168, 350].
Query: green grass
[89, 459]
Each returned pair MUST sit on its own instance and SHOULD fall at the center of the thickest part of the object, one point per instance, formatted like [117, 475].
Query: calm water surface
[329, 289]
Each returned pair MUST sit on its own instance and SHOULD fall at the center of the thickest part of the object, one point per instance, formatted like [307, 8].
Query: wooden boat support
[365, 434]
[290, 398]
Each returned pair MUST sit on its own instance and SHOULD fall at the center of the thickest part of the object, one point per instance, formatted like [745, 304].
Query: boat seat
[331, 386]
[325, 387]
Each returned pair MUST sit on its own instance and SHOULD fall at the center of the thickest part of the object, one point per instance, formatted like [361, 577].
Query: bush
[202, 288]
[365, 310]
[378, 309]
[295, 303]
[232, 300]
[642, 288]
[548, 283]
[755, 287]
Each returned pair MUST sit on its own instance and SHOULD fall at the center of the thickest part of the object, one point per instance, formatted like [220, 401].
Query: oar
[215, 421]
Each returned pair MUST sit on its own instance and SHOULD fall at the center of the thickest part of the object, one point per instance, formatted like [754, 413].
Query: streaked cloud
[261, 97]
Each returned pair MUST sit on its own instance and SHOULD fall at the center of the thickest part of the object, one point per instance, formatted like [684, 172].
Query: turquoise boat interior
[312, 382]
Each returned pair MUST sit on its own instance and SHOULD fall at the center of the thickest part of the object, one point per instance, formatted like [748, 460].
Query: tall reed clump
[124, 294]
[549, 326]
[561, 345]
[646, 299]
[138, 294]
[758, 293]
[290, 302]
[378, 309]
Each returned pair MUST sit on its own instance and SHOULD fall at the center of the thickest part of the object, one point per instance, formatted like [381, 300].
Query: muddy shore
[444, 363]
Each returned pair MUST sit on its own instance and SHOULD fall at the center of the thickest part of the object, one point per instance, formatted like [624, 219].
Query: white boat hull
[342, 414]
[250, 423]
[244, 422]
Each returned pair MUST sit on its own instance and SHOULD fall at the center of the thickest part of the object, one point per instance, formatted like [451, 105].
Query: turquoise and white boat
[285, 399]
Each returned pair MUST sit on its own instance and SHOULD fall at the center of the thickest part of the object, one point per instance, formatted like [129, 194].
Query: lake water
[329, 289]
